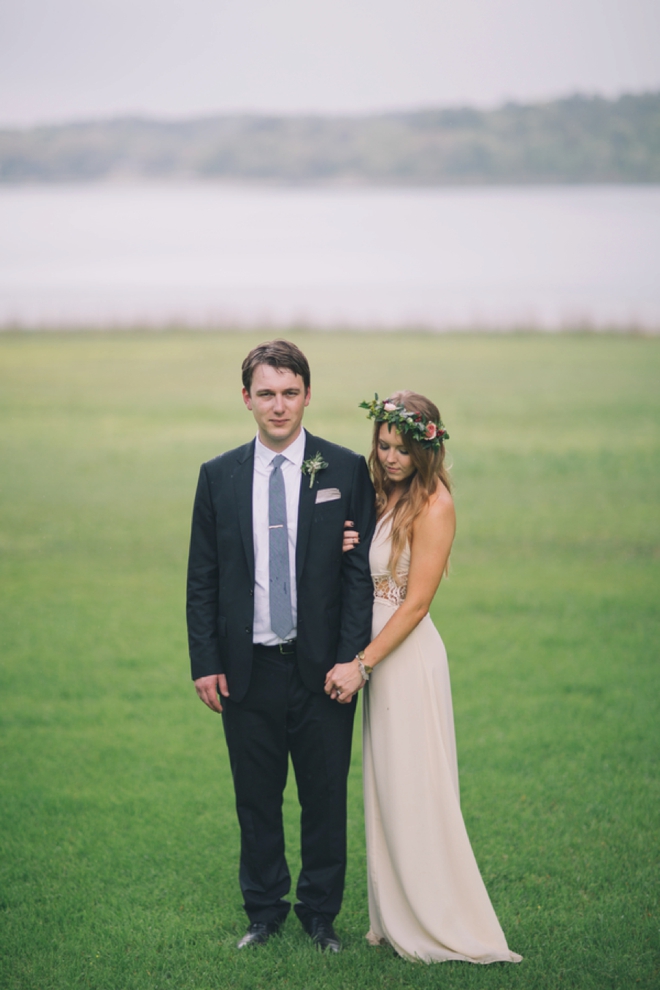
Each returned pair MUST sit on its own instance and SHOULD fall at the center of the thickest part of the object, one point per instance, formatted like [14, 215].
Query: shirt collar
[295, 452]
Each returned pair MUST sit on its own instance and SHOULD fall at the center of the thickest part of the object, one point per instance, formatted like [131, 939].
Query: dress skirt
[426, 895]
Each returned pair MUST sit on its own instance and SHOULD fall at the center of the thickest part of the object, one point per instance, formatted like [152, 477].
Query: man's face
[277, 400]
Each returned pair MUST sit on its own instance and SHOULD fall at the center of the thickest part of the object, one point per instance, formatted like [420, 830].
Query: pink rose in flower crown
[431, 431]
[389, 407]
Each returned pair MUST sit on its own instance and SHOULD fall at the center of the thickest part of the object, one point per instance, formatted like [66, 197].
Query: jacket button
[247, 629]
[251, 593]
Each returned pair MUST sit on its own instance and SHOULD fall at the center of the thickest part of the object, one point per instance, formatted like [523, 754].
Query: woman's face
[393, 454]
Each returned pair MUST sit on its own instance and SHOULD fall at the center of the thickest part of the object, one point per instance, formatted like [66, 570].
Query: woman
[426, 896]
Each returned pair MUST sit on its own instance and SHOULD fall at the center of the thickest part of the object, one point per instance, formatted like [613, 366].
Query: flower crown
[424, 430]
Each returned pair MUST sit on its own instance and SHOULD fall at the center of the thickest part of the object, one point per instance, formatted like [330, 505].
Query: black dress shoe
[258, 934]
[322, 932]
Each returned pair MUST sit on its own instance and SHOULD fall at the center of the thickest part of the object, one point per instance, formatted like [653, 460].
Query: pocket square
[327, 495]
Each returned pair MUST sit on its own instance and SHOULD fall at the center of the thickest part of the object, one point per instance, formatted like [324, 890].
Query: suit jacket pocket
[327, 495]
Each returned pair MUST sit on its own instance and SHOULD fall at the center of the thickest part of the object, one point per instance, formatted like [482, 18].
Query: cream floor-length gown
[426, 895]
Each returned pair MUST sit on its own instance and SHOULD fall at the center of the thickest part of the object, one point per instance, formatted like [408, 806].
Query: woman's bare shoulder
[438, 511]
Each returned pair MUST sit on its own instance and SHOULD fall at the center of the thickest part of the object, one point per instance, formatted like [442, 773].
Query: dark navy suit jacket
[334, 589]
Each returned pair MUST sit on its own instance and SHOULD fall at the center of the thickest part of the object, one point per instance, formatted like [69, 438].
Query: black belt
[286, 649]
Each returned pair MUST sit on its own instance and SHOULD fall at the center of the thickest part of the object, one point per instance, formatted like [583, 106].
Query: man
[273, 604]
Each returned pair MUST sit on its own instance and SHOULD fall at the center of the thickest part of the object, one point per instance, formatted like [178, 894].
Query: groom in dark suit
[273, 604]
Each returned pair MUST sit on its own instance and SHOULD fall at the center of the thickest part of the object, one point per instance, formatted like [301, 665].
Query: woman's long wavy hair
[429, 469]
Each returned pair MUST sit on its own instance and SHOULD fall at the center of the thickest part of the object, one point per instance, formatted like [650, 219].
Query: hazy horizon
[165, 117]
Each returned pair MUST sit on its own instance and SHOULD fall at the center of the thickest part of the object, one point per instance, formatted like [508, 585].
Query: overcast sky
[72, 59]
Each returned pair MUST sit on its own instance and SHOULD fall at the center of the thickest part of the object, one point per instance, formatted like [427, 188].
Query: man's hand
[208, 689]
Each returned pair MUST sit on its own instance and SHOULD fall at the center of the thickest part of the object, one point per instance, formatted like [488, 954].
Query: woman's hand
[343, 681]
[351, 536]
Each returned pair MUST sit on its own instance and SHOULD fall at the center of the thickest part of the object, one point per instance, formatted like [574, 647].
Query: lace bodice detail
[386, 590]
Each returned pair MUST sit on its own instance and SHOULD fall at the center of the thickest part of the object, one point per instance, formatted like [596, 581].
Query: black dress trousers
[278, 716]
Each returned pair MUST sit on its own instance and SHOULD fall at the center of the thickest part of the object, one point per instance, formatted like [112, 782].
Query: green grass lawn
[117, 832]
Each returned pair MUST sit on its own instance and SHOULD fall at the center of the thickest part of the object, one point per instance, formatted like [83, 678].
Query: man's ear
[247, 400]
[308, 396]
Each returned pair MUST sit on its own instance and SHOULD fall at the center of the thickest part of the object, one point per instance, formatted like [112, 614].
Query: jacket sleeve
[202, 591]
[357, 586]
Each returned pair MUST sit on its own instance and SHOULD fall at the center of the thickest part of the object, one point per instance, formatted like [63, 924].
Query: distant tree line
[574, 140]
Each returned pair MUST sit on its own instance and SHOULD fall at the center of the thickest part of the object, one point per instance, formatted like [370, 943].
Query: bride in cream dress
[426, 895]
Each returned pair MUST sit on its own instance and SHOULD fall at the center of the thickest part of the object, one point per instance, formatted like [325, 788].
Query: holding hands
[344, 681]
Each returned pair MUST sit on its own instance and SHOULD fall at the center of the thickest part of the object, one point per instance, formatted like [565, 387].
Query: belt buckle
[286, 653]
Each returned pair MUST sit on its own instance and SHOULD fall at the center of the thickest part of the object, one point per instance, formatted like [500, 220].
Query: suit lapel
[243, 492]
[305, 509]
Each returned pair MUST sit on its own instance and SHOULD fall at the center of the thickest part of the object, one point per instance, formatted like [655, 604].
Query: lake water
[204, 254]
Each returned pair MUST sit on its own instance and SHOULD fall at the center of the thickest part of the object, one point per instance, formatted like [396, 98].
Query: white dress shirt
[291, 472]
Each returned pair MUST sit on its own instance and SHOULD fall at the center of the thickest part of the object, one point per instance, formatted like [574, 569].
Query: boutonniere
[312, 466]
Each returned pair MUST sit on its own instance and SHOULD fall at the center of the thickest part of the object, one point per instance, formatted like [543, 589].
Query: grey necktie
[281, 619]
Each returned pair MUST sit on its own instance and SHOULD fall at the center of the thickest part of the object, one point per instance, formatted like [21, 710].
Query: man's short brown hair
[278, 354]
